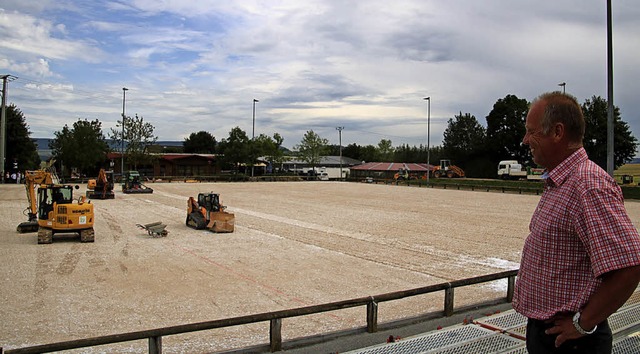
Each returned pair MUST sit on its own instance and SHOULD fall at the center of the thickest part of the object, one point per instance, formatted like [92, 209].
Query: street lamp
[428, 99]
[339, 129]
[253, 132]
[124, 94]
[563, 84]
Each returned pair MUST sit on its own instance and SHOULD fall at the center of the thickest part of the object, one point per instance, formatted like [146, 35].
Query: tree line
[466, 142]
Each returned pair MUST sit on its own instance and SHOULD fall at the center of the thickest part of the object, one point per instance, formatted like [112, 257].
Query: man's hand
[563, 327]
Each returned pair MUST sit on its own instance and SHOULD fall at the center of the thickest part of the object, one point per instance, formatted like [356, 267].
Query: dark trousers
[538, 342]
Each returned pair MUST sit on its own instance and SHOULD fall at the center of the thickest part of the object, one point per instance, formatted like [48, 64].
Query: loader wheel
[196, 221]
[437, 174]
[45, 236]
[450, 174]
[87, 235]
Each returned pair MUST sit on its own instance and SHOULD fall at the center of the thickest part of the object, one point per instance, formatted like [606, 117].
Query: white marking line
[461, 258]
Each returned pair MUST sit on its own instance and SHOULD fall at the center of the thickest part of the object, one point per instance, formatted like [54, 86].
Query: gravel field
[295, 244]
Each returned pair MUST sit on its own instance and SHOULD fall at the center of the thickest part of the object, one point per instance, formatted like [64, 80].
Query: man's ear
[558, 131]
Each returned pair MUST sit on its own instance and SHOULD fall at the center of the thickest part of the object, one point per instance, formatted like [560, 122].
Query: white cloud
[313, 64]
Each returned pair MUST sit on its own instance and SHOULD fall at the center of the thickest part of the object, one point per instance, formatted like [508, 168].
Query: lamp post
[124, 95]
[563, 84]
[253, 132]
[339, 129]
[428, 99]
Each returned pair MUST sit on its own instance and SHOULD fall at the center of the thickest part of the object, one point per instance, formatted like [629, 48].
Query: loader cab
[210, 201]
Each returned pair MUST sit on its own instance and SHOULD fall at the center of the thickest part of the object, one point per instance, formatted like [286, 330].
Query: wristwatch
[576, 324]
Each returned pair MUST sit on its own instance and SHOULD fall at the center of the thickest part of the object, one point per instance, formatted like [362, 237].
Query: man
[581, 260]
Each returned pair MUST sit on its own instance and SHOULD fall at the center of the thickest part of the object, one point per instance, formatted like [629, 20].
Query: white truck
[511, 169]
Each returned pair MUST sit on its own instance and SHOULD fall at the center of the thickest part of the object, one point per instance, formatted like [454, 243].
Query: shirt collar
[560, 173]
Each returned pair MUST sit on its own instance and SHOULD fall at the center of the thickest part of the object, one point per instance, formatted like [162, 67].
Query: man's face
[540, 145]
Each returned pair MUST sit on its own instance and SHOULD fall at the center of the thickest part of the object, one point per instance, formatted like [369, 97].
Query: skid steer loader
[208, 213]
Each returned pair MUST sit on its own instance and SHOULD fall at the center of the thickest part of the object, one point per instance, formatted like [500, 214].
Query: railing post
[511, 282]
[275, 335]
[448, 302]
[372, 316]
[155, 345]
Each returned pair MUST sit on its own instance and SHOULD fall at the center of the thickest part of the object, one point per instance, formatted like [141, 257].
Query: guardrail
[463, 186]
[275, 318]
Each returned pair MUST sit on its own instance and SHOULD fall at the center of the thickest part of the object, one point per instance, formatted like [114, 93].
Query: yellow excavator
[52, 209]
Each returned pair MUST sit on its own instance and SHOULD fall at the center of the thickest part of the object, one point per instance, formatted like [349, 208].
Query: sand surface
[295, 244]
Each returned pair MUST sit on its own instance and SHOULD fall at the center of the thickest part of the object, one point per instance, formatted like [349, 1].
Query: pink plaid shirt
[579, 231]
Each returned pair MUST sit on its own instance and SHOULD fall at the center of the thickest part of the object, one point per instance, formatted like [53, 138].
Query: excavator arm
[32, 180]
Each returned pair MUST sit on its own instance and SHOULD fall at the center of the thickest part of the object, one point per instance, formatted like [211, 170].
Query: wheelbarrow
[155, 229]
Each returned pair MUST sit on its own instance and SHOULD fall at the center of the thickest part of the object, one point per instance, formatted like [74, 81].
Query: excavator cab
[55, 194]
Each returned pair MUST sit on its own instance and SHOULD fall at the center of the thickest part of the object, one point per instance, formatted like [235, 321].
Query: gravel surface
[295, 244]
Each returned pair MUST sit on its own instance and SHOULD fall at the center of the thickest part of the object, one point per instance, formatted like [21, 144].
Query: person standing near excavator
[581, 260]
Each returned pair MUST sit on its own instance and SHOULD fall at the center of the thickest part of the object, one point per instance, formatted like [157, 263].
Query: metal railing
[275, 318]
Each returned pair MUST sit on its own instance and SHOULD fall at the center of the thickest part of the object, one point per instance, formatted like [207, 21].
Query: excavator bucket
[221, 221]
[28, 226]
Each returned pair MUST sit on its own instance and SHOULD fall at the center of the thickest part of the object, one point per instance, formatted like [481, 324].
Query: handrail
[275, 318]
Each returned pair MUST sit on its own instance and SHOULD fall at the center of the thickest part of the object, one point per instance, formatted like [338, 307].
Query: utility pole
[3, 124]
[428, 99]
[563, 84]
[253, 134]
[124, 95]
[610, 108]
[339, 129]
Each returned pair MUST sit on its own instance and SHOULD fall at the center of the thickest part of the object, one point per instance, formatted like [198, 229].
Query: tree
[505, 130]
[270, 148]
[83, 146]
[201, 142]
[138, 137]
[311, 148]
[235, 148]
[20, 149]
[595, 113]
[385, 150]
[464, 139]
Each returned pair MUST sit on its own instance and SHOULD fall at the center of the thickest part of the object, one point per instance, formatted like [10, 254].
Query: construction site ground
[295, 244]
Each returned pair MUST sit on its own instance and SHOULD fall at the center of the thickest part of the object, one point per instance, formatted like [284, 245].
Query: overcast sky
[312, 64]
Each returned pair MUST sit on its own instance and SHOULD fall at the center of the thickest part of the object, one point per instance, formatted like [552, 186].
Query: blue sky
[313, 65]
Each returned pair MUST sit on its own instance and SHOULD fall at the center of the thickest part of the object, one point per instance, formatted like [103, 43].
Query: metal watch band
[576, 324]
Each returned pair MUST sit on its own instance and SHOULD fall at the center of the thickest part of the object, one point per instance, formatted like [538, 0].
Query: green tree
[505, 130]
[463, 139]
[385, 150]
[595, 112]
[83, 146]
[138, 137]
[311, 148]
[270, 148]
[235, 148]
[19, 148]
[201, 142]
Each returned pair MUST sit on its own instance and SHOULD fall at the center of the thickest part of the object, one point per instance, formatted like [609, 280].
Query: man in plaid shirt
[581, 260]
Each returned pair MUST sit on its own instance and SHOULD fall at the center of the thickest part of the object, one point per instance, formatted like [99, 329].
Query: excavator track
[87, 235]
[45, 236]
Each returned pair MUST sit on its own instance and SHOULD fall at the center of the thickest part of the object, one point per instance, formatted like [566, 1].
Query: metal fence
[154, 336]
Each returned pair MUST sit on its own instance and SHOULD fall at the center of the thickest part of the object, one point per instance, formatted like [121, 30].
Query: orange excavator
[207, 212]
[101, 187]
[52, 209]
